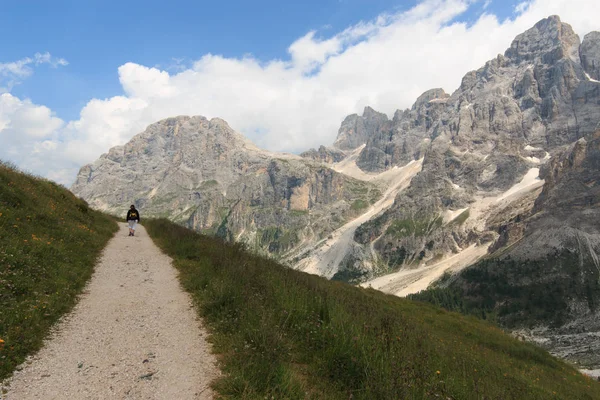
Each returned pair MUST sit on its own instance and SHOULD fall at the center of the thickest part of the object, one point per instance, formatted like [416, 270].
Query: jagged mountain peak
[356, 130]
[370, 113]
[429, 95]
[548, 41]
[491, 135]
[174, 126]
[536, 94]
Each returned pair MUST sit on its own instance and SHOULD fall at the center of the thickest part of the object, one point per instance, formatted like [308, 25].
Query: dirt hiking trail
[133, 335]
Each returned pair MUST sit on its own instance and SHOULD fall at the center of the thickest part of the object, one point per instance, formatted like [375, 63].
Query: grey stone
[356, 130]
[206, 176]
[590, 54]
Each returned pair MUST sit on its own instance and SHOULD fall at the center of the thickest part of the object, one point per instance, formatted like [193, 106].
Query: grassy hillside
[49, 242]
[281, 334]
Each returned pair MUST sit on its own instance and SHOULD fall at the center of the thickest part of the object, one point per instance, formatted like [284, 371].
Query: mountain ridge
[207, 176]
[483, 154]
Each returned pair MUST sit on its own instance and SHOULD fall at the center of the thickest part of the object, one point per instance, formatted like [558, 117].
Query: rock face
[205, 175]
[527, 118]
[355, 130]
[590, 55]
[405, 137]
[504, 122]
[325, 155]
[536, 93]
[549, 278]
[506, 166]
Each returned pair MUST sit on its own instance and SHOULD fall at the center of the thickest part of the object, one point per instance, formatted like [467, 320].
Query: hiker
[133, 217]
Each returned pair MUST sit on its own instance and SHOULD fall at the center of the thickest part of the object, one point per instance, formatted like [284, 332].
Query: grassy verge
[49, 243]
[282, 334]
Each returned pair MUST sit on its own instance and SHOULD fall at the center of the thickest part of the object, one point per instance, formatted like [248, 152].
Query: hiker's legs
[132, 227]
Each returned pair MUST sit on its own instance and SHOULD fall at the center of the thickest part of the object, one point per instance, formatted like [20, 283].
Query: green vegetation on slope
[405, 228]
[521, 293]
[280, 333]
[49, 243]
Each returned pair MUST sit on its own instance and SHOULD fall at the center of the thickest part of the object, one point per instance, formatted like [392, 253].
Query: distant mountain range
[502, 172]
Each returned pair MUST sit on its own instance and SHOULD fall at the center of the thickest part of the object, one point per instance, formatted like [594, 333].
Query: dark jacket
[132, 215]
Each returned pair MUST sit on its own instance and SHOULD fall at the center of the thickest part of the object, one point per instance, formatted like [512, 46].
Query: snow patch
[530, 181]
[589, 78]
[325, 256]
[534, 160]
[409, 281]
[531, 148]
[412, 280]
[450, 215]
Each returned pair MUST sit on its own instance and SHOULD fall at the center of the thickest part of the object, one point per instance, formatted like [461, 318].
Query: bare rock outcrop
[505, 120]
[590, 55]
[203, 174]
[356, 130]
[327, 155]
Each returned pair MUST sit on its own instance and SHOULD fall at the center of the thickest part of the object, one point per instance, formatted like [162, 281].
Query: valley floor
[133, 335]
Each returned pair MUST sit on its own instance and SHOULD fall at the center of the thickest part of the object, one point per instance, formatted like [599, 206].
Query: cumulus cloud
[23, 118]
[27, 132]
[299, 102]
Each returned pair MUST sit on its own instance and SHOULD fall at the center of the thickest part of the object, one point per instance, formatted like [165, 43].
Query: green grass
[49, 243]
[359, 205]
[417, 227]
[208, 184]
[298, 213]
[276, 239]
[283, 334]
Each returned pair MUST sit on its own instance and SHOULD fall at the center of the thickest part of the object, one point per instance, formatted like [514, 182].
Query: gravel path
[133, 335]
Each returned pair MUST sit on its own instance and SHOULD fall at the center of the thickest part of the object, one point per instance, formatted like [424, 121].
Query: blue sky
[79, 77]
[97, 36]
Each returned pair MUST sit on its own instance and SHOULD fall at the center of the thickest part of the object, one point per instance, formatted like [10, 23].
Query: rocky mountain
[544, 278]
[482, 148]
[356, 130]
[500, 174]
[204, 175]
[509, 168]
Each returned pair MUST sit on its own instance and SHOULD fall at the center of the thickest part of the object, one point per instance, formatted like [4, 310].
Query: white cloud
[298, 103]
[522, 7]
[28, 135]
[19, 118]
[12, 73]
[102, 124]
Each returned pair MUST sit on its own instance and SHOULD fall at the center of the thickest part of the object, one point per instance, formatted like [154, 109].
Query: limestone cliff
[204, 175]
[490, 136]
